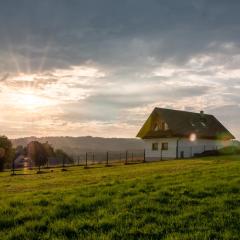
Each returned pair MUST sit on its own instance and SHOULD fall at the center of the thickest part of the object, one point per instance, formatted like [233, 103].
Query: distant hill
[76, 145]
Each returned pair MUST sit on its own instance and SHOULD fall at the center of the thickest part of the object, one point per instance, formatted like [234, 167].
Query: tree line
[35, 152]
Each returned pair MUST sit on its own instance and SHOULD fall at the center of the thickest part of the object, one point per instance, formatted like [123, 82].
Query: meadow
[178, 199]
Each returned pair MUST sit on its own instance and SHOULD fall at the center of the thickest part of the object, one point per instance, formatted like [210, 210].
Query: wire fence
[111, 158]
[87, 159]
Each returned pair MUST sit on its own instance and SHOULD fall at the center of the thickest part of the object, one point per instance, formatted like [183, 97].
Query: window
[164, 146]
[165, 126]
[160, 126]
[155, 146]
[203, 124]
[156, 128]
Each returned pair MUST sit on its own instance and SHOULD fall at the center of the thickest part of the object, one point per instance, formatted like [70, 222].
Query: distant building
[170, 134]
[23, 162]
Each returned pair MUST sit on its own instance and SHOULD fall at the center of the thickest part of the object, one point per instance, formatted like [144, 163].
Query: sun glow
[32, 102]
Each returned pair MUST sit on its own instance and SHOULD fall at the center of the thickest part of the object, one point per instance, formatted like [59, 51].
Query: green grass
[182, 199]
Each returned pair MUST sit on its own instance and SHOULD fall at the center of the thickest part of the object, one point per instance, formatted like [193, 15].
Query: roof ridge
[177, 110]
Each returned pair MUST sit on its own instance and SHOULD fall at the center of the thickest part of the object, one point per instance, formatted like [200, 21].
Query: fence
[191, 151]
[109, 158]
[89, 159]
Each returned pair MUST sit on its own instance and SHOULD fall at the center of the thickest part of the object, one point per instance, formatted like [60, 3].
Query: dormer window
[160, 126]
[203, 124]
[156, 128]
[165, 126]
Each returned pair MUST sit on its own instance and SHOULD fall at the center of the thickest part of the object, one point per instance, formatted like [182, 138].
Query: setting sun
[30, 101]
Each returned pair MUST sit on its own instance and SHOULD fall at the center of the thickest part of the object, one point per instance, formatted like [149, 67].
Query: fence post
[78, 159]
[107, 160]
[191, 151]
[144, 155]
[126, 159]
[86, 163]
[177, 148]
[73, 158]
[13, 167]
[161, 153]
[63, 162]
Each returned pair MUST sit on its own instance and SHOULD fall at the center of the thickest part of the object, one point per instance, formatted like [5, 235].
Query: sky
[77, 68]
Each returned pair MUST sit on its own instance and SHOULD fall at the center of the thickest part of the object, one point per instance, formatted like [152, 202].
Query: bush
[230, 150]
[207, 153]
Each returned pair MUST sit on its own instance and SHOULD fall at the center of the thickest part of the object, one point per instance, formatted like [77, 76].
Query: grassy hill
[184, 199]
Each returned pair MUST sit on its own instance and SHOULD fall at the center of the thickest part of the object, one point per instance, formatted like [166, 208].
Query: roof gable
[182, 124]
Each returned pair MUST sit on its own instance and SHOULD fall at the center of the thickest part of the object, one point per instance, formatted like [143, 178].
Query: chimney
[202, 113]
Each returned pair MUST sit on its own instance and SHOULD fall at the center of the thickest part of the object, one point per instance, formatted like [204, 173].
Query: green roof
[182, 124]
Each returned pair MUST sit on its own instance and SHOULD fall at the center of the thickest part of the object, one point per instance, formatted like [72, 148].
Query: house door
[182, 154]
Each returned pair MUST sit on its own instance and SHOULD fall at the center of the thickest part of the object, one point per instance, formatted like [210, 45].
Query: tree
[19, 150]
[5, 151]
[37, 152]
[63, 157]
[49, 151]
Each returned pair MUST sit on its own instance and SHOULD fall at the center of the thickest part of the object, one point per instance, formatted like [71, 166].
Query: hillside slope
[180, 199]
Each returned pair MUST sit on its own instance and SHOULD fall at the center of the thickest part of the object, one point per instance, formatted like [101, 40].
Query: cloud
[103, 63]
[69, 33]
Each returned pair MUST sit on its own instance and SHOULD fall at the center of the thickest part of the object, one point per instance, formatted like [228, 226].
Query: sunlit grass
[184, 199]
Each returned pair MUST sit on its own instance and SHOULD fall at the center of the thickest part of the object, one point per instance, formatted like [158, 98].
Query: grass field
[181, 199]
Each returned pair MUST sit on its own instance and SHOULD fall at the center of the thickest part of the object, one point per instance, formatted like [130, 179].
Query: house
[170, 134]
[23, 162]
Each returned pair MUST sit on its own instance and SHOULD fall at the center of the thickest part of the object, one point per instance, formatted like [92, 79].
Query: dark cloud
[115, 32]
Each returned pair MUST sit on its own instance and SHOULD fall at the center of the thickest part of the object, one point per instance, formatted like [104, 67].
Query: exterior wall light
[193, 137]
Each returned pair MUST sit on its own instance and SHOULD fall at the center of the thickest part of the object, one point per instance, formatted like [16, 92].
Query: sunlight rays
[24, 84]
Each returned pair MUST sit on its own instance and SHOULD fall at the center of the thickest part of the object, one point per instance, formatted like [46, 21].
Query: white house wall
[184, 145]
[157, 155]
